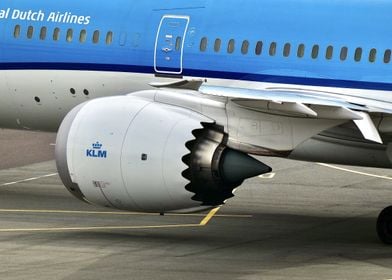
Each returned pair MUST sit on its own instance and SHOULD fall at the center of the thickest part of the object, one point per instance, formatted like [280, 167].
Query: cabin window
[245, 47]
[259, 48]
[56, 34]
[136, 37]
[217, 45]
[203, 44]
[109, 38]
[178, 43]
[123, 39]
[358, 54]
[30, 32]
[272, 49]
[286, 50]
[329, 52]
[42, 34]
[96, 37]
[69, 35]
[17, 31]
[301, 50]
[343, 53]
[315, 51]
[231, 46]
[83, 36]
[372, 55]
[387, 56]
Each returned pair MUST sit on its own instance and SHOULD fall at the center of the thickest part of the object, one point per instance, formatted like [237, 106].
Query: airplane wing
[298, 104]
[310, 105]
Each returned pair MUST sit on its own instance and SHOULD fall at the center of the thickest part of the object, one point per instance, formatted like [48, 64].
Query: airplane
[160, 106]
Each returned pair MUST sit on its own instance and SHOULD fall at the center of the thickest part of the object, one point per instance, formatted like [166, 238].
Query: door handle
[166, 50]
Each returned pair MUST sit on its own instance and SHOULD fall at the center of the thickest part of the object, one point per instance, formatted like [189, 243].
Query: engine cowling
[134, 154]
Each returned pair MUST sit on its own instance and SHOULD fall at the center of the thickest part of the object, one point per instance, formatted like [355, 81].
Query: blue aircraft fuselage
[321, 43]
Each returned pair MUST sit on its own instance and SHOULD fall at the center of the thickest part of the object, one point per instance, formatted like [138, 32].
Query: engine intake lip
[61, 154]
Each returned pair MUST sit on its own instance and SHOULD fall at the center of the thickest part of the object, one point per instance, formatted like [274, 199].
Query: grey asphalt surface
[306, 222]
[18, 148]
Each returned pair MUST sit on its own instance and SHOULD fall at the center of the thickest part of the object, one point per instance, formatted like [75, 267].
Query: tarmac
[303, 221]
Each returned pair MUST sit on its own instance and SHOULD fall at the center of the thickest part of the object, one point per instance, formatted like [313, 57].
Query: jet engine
[135, 154]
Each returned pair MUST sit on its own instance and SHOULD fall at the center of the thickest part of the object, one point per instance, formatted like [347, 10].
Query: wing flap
[335, 113]
[367, 128]
[287, 108]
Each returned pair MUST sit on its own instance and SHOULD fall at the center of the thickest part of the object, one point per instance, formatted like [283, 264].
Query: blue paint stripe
[290, 80]
[201, 73]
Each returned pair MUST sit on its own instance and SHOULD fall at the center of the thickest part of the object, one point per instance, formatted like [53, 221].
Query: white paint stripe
[355, 172]
[28, 179]
[52, 144]
[267, 176]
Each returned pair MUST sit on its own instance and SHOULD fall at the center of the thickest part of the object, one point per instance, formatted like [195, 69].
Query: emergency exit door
[169, 45]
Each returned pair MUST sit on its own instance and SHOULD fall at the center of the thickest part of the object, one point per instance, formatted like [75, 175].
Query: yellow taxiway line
[209, 216]
[203, 223]
[45, 211]
[93, 228]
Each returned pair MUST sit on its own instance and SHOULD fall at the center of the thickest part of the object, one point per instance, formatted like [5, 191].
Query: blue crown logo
[97, 145]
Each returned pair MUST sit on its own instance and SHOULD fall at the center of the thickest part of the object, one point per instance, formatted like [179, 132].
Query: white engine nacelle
[134, 154]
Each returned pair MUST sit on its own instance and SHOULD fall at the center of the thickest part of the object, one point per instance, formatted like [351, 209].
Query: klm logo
[96, 151]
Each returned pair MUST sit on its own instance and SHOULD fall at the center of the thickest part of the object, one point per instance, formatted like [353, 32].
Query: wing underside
[298, 104]
[315, 105]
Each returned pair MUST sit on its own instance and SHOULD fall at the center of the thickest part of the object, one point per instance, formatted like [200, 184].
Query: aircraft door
[169, 45]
